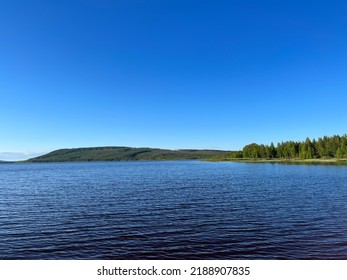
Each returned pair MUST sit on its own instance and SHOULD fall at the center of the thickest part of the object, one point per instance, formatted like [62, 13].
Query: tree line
[325, 147]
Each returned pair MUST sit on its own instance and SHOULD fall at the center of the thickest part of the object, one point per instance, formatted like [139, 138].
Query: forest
[334, 147]
[322, 148]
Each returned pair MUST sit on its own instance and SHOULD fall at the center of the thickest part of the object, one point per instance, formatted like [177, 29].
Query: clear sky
[170, 74]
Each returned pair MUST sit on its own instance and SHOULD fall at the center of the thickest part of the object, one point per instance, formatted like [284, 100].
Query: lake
[172, 210]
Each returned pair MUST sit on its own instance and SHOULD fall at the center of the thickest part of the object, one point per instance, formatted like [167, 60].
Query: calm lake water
[172, 210]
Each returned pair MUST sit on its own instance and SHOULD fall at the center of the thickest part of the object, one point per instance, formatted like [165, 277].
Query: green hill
[126, 154]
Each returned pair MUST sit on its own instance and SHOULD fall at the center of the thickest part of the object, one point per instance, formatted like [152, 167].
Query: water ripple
[172, 210]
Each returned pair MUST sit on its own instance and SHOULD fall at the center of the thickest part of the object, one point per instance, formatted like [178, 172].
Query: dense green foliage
[126, 154]
[326, 147]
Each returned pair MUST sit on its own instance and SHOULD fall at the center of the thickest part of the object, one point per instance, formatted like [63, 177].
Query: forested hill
[126, 154]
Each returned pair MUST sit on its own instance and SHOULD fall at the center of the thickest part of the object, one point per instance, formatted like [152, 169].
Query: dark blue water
[172, 210]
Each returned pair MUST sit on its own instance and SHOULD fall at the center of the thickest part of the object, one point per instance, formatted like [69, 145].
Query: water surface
[172, 210]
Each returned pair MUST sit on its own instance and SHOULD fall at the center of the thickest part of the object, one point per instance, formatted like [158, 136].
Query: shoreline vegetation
[325, 150]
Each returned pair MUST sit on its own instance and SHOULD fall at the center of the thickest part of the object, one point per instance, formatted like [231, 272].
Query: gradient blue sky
[169, 74]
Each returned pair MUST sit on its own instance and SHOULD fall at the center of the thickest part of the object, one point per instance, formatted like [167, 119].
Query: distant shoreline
[332, 161]
[242, 160]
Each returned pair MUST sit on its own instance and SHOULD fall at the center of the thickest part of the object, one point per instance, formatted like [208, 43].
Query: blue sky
[169, 74]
